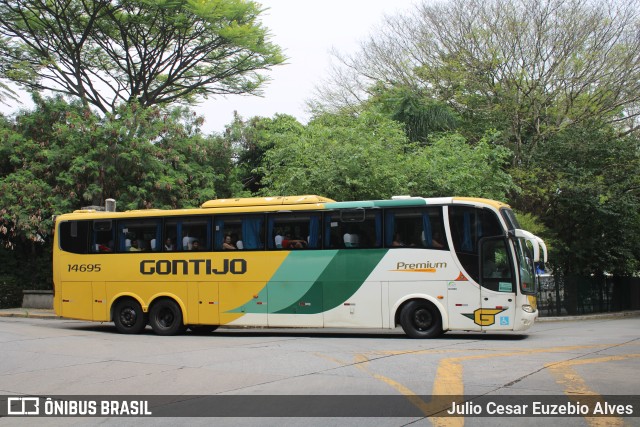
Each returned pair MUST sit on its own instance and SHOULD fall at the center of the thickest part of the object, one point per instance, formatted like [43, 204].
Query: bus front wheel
[128, 317]
[421, 319]
[165, 317]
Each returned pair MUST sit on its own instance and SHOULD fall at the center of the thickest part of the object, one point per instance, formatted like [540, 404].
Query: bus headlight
[528, 309]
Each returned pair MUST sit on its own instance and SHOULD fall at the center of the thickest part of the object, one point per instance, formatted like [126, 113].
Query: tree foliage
[533, 103]
[251, 140]
[524, 67]
[62, 157]
[147, 52]
[367, 156]
[555, 82]
[421, 115]
[340, 156]
[450, 166]
[587, 190]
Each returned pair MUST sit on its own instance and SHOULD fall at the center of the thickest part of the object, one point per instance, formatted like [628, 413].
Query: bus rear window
[74, 236]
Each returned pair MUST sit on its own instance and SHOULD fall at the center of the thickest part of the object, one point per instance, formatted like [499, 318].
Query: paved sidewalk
[35, 313]
[41, 313]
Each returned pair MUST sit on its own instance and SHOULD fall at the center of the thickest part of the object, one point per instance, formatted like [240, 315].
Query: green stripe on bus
[341, 278]
[295, 277]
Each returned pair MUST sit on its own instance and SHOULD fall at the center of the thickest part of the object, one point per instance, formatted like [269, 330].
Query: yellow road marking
[575, 386]
[449, 378]
[331, 359]
[362, 363]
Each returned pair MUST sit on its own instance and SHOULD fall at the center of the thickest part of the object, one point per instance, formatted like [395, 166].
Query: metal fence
[560, 295]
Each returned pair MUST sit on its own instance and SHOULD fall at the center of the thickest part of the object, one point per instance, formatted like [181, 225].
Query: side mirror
[536, 243]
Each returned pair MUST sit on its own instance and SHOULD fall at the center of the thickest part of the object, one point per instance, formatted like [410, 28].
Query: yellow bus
[430, 265]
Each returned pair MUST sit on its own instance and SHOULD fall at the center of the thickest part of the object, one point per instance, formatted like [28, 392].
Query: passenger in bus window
[195, 246]
[397, 241]
[168, 244]
[437, 240]
[187, 241]
[134, 246]
[235, 241]
[351, 240]
[228, 244]
[290, 243]
[278, 239]
[103, 248]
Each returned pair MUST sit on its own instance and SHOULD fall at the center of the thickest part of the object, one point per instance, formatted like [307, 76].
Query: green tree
[367, 156]
[142, 157]
[343, 157]
[251, 139]
[421, 115]
[527, 68]
[147, 52]
[62, 156]
[593, 202]
[450, 166]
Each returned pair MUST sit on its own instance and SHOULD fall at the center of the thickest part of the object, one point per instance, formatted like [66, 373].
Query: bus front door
[498, 286]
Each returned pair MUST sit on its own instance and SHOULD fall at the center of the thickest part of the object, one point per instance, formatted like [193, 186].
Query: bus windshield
[526, 266]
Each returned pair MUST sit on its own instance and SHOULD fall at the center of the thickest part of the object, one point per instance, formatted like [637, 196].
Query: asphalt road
[52, 357]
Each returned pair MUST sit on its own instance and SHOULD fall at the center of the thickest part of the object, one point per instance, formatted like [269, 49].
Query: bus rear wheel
[165, 317]
[128, 317]
[421, 319]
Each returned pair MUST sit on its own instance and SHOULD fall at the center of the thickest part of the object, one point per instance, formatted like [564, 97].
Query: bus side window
[468, 226]
[74, 236]
[103, 237]
[136, 234]
[293, 231]
[244, 232]
[180, 234]
[353, 231]
[415, 228]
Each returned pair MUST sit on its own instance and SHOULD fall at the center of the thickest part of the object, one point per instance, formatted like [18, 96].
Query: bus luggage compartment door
[295, 303]
[77, 300]
[208, 303]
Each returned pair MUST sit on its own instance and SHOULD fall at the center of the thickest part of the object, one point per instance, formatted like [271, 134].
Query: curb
[595, 316]
[29, 313]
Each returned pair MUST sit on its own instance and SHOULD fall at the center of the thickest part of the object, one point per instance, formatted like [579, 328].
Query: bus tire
[128, 316]
[165, 317]
[421, 319]
[203, 329]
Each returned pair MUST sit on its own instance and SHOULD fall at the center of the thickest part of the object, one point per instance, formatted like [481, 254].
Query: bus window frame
[521, 256]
